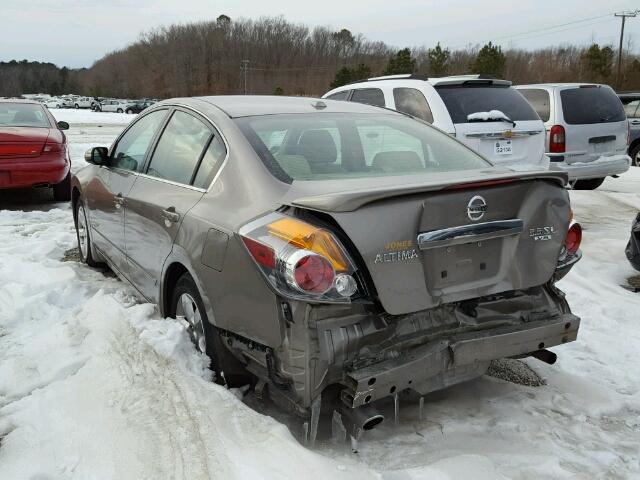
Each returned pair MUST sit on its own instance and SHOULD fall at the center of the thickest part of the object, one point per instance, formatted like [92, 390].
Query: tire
[62, 190]
[590, 184]
[119, 110]
[76, 106]
[186, 302]
[82, 235]
[129, 111]
[634, 153]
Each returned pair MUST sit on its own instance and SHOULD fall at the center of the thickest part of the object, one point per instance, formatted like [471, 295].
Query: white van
[587, 130]
[487, 114]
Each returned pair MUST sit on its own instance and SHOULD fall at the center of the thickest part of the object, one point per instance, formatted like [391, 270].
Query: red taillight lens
[262, 254]
[574, 237]
[314, 274]
[52, 147]
[557, 139]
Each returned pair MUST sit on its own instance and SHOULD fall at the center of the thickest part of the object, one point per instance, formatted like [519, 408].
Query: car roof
[434, 81]
[19, 100]
[248, 105]
[556, 85]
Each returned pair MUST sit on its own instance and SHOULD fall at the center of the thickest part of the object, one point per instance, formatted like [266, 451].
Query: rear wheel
[62, 191]
[82, 234]
[635, 155]
[590, 184]
[76, 106]
[129, 110]
[186, 303]
[119, 110]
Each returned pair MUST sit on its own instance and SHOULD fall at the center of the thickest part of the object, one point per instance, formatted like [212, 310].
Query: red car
[33, 149]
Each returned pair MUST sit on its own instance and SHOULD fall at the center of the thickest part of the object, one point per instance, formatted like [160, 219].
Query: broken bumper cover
[442, 363]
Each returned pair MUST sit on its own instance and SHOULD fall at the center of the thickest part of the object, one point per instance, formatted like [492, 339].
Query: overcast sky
[75, 33]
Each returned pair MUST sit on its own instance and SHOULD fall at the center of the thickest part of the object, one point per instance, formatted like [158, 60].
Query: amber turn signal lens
[307, 237]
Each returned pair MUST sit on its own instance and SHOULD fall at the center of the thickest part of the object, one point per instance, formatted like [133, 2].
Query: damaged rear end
[396, 283]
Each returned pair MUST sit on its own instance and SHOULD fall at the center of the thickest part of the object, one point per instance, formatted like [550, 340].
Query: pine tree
[343, 76]
[490, 61]
[402, 62]
[598, 61]
[438, 61]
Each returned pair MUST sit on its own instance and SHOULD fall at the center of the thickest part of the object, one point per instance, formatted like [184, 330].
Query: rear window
[539, 100]
[370, 96]
[326, 146]
[463, 100]
[23, 115]
[588, 105]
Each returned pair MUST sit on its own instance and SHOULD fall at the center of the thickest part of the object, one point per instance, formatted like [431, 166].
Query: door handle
[170, 214]
[118, 200]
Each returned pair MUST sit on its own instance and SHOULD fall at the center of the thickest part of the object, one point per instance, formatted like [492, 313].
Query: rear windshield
[23, 115]
[463, 100]
[324, 146]
[587, 105]
[539, 100]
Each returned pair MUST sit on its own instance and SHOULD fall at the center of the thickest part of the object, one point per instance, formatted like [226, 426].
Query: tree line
[273, 56]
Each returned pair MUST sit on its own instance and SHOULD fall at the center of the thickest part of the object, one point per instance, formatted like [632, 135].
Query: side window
[631, 109]
[179, 148]
[130, 151]
[340, 95]
[539, 100]
[412, 101]
[370, 96]
[211, 162]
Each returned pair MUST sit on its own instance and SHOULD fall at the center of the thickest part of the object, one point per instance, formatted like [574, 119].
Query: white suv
[486, 114]
[587, 130]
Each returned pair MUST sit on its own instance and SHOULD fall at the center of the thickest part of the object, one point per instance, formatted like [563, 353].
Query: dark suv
[139, 106]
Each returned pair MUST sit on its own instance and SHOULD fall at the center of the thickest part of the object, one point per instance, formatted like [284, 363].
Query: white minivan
[485, 113]
[587, 130]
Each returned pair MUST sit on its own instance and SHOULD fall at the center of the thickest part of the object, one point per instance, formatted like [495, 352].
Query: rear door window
[179, 149]
[344, 95]
[369, 96]
[539, 100]
[588, 105]
[463, 100]
[412, 101]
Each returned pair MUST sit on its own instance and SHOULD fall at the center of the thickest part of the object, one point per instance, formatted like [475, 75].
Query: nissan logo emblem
[476, 208]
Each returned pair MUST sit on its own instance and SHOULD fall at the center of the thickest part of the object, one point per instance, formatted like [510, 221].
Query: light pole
[624, 16]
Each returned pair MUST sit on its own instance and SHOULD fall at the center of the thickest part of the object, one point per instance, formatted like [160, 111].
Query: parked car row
[100, 104]
[580, 129]
[122, 106]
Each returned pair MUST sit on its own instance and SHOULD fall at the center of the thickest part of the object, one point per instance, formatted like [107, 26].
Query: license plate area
[503, 147]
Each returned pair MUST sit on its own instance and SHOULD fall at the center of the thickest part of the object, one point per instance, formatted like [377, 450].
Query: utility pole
[624, 16]
[245, 68]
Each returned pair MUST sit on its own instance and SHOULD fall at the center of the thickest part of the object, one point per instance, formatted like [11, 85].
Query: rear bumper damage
[437, 365]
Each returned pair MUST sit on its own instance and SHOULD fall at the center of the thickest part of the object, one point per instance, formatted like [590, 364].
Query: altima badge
[541, 234]
[476, 208]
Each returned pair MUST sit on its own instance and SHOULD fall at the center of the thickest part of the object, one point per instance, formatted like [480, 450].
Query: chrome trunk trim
[470, 233]
[514, 134]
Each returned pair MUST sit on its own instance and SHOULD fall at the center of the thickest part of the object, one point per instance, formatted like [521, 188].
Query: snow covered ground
[94, 385]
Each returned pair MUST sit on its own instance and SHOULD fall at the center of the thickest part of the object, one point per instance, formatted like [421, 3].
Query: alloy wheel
[187, 309]
[83, 239]
[636, 159]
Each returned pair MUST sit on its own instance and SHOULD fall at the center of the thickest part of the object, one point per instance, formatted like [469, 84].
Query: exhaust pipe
[545, 356]
[353, 422]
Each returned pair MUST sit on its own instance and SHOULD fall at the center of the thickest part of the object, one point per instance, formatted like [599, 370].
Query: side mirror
[62, 125]
[97, 156]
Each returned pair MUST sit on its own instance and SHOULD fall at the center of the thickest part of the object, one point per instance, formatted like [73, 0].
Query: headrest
[397, 161]
[318, 147]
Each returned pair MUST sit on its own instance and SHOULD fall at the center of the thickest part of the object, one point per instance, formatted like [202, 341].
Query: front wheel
[62, 190]
[82, 234]
[590, 184]
[119, 110]
[76, 106]
[635, 156]
[129, 111]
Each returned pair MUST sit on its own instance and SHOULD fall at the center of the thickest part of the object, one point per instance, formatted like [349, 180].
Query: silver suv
[486, 114]
[587, 130]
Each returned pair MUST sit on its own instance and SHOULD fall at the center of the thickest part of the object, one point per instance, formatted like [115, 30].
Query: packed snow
[95, 385]
[487, 116]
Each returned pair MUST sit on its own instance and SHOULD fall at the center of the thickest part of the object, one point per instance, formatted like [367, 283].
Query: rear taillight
[574, 237]
[51, 147]
[557, 139]
[299, 259]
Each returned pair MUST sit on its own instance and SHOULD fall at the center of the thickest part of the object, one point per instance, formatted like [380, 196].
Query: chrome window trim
[211, 123]
[471, 233]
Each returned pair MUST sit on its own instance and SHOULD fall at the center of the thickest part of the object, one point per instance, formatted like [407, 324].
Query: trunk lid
[22, 141]
[456, 242]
